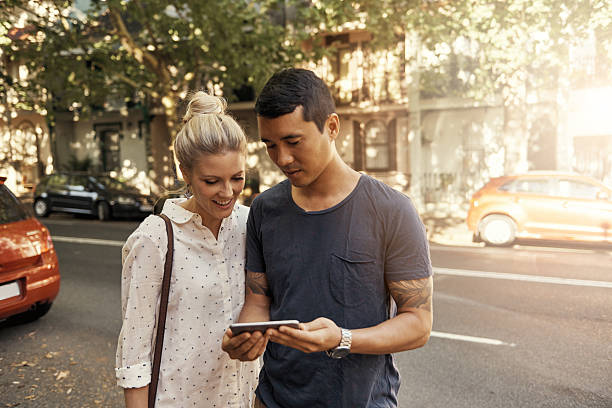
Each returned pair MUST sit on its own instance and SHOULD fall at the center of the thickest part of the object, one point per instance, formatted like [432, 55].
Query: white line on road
[472, 339]
[525, 278]
[93, 241]
[479, 249]
[437, 270]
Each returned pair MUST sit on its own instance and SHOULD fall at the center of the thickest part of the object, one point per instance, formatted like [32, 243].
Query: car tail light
[46, 242]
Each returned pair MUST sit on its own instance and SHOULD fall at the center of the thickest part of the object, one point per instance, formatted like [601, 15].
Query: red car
[29, 271]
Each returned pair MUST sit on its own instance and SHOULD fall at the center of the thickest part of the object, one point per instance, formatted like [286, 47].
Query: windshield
[10, 208]
[109, 183]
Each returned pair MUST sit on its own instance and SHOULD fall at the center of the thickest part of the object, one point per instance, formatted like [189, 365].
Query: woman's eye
[210, 182]
[238, 178]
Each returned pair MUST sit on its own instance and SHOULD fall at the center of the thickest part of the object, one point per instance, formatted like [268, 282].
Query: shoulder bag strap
[163, 307]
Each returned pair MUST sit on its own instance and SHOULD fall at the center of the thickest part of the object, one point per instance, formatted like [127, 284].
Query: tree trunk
[163, 127]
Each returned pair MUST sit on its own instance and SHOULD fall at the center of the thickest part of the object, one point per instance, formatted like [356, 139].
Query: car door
[81, 198]
[57, 191]
[587, 213]
[533, 196]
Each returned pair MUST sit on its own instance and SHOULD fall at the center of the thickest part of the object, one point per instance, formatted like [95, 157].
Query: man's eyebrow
[264, 140]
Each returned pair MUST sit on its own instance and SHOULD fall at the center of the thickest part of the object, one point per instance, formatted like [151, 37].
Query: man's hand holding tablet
[247, 341]
[238, 328]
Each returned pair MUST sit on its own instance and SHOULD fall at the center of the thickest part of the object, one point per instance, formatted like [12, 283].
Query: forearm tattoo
[412, 293]
[257, 284]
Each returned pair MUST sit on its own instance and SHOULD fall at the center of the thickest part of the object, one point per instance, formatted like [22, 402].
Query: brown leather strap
[163, 308]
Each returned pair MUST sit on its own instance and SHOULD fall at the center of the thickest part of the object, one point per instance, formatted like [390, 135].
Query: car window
[79, 181]
[533, 186]
[58, 180]
[10, 208]
[42, 182]
[112, 184]
[577, 189]
[508, 186]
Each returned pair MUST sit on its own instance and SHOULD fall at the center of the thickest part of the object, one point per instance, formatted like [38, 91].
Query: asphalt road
[534, 329]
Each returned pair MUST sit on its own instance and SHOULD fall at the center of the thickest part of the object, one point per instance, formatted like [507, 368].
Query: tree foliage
[151, 53]
[480, 47]
[147, 52]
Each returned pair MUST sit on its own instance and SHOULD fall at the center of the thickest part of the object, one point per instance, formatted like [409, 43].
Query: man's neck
[336, 182]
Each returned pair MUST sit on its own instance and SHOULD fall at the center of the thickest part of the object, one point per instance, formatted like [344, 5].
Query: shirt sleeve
[407, 249]
[254, 251]
[142, 274]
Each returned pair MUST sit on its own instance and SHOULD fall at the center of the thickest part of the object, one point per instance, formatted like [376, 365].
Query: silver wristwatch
[345, 345]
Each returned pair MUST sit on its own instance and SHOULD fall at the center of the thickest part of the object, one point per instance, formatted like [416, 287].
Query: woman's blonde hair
[207, 129]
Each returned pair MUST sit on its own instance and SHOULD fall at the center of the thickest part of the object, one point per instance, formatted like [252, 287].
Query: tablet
[238, 328]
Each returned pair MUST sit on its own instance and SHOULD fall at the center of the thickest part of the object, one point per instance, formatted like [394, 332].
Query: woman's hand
[136, 397]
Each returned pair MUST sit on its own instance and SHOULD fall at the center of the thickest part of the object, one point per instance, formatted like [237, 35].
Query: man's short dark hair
[293, 87]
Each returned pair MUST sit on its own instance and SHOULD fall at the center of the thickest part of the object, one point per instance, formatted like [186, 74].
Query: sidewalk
[448, 231]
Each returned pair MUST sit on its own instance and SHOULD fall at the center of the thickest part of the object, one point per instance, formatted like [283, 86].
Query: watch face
[340, 352]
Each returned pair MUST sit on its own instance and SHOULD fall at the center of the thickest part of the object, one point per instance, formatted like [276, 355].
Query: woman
[207, 286]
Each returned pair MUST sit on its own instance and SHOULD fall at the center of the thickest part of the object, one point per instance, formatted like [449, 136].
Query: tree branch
[146, 22]
[142, 56]
[132, 83]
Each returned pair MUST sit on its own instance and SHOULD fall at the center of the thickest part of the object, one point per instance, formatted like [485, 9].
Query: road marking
[93, 241]
[558, 249]
[480, 249]
[471, 339]
[525, 278]
[437, 270]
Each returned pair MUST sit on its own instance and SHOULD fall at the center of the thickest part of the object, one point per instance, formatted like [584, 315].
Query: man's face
[297, 147]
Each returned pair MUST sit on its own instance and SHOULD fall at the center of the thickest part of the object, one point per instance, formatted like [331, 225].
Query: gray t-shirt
[333, 263]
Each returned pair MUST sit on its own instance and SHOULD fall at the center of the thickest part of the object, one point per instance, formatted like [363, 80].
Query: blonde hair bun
[202, 103]
[207, 129]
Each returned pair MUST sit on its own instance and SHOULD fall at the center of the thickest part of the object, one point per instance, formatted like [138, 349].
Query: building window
[110, 150]
[378, 146]
[109, 135]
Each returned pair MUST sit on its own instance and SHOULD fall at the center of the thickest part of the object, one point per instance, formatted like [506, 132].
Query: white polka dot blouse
[206, 296]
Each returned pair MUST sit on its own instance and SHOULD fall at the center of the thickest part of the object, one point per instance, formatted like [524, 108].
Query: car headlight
[126, 200]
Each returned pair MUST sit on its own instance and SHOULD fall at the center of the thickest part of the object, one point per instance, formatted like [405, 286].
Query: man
[327, 247]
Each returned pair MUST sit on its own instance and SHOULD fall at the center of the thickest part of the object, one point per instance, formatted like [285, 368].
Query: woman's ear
[185, 173]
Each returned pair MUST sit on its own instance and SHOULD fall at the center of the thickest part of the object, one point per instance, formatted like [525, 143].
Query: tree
[148, 53]
[480, 48]
[46, 65]
[151, 53]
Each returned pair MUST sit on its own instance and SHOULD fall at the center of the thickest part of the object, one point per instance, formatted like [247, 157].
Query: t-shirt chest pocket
[353, 280]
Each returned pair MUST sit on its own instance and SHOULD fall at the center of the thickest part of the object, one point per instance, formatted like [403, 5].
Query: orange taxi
[541, 205]
[29, 271]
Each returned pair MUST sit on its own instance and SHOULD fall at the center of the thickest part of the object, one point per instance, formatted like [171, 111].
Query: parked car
[541, 205]
[99, 195]
[29, 271]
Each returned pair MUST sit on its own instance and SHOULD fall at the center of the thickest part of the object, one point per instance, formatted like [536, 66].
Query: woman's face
[216, 181]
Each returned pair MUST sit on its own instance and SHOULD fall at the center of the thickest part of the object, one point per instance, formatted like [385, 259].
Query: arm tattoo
[257, 283]
[412, 293]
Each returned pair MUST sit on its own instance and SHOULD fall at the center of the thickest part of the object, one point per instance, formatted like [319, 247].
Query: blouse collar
[180, 215]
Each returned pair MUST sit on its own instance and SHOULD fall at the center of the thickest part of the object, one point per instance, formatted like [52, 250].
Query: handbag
[163, 308]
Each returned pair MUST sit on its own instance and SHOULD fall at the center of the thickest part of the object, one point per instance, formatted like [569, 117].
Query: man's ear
[332, 125]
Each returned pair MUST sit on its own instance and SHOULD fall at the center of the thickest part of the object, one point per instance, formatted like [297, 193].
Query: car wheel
[103, 211]
[41, 208]
[497, 230]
